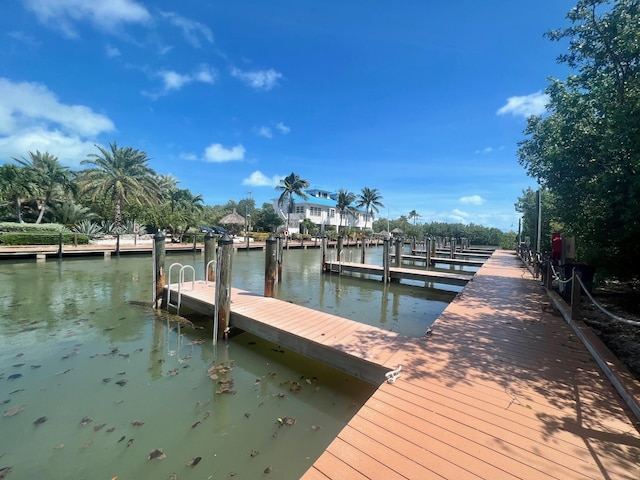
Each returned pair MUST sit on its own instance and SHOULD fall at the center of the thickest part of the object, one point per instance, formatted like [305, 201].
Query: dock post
[118, 244]
[60, 246]
[452, 247]
[280, 255]
[223, 288]
[209, 256]
[195, 239]
[324, 253]
[398, 252]
[576, 290]
[158, 269]
[339, 248]
[427, 251]
[413, 245]
[270, 261]
[385, 260]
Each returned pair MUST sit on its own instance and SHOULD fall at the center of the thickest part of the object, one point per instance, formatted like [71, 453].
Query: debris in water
[106, 380]
[138, 350]
[99, 427]
[254, 453]
[157, 454]
[247, 415]
[286, 421]
[35, 366]
[14, 376]
[110, 430]
[207, 414]
[267, 470]
[4, 471]
[87, 444]
[60, 446]
[137, 423]
[3, 402]
[122, 382]
[315, 428]
[121, 439]
[194, 461]
[86, 421]
[130, 442]
[121, 373]
[17, 391]
[195, 424]
[18, 365]
[173, 373]
[13, 411]
[39, 421]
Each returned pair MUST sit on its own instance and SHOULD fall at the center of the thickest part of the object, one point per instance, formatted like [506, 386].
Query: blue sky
[424, 101]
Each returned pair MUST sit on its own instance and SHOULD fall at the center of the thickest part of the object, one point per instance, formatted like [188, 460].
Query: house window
[300, 209]
[332, 212]
[315, 211]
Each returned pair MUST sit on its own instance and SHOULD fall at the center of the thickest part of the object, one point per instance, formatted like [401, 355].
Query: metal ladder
[180, 284]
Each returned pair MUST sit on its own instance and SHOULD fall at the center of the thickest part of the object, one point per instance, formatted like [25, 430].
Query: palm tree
[123, 176]
[415, 215]
[343, 204]
[16, 185]
[291, 185]
[51, 180]
[369, 199]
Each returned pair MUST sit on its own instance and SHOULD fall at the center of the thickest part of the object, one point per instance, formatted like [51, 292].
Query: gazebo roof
[233, 218]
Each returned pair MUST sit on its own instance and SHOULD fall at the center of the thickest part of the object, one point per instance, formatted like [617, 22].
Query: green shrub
[17, 239]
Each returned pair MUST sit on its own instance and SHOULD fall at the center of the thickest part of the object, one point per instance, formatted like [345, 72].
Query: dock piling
[158, 269]
[223, 288]
[209, 256]
[270, 261]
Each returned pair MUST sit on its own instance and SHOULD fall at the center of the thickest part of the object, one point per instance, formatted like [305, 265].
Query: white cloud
[32, 118]
[264, 132]
[258, 179]
[106, 15]
[191, 29]
[216, 153]
[527, 105]
[472, 200]
[258, 79]
[25, 105]
[283, 128]
[188, 156]
[174, 81]
[485, 151]
[112, 51]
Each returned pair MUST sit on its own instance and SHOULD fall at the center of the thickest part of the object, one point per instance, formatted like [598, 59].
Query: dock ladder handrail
[180, 283]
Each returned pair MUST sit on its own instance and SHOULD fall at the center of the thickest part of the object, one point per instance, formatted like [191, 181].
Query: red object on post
[556, 245]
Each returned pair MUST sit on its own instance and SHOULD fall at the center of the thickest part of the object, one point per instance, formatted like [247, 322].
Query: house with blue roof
[320, 207]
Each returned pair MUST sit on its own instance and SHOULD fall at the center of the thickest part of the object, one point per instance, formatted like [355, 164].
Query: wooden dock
[399, 273]
[360, 350]
[45, 252]
[500, 389]
[442, 260]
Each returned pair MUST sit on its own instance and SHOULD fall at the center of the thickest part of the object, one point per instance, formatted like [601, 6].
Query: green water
[71, 330]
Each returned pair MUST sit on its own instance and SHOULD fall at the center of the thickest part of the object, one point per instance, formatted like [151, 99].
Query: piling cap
[158, 236]
[209, 234]
[225, 239]
[271, 239]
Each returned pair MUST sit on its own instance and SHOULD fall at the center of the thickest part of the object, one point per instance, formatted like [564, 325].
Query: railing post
[270, 261]
[223, 288]
[575, 293]
[209, 256]
[158, 269]
[385, 260]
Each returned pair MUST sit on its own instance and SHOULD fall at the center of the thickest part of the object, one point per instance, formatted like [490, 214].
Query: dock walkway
[501, 389]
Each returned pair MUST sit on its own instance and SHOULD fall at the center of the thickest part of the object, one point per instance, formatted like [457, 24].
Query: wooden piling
[576, 290]
[398, 252]
[324, 253]
[339, 248]
[280, 255]
[209, 256]
[158, 269]
[60, 246]
[364, 246]
[118, 244]
[270, 261]
[385, 260]
[223, 288]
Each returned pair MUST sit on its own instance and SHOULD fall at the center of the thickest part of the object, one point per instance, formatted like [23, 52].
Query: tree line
[585, 151]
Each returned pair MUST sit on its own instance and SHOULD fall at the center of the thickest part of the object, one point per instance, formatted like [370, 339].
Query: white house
[320, 208]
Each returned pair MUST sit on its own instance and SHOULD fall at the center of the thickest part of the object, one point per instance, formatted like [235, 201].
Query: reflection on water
[107, 379]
